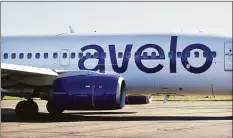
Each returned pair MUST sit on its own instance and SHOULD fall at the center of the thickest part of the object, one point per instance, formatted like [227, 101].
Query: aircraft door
[64, 57]
[228, 56]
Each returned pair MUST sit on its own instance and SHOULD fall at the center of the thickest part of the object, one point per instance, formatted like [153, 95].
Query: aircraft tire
[53, 109]
[26, 109]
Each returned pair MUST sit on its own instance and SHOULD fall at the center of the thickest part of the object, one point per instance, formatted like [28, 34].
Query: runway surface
[156, 120]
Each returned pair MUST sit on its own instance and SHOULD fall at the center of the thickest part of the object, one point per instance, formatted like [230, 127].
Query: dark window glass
[29, 55]
[205, 54]
[196, 54]
[214, 54]
[120, 55]
[103, 55]
[55, 55]
[187, 54]
[88, 55]
[179, 54]
[5, 55]
[153, 54]
[46, 55]
[144, 54]
[72, 55]
[170, 54]
[80, 55]
[13, 55]
[37, 55]
[96, 55]
[21, 55]
[128, 54]
[64, 55]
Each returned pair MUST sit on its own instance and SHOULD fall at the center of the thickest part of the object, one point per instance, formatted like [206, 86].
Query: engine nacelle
[138, 99]
[90, 91]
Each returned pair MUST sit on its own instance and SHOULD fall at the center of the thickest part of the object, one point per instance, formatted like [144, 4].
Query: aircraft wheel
[26, 109]
[21, 108]
[53, 109]
[33, 107]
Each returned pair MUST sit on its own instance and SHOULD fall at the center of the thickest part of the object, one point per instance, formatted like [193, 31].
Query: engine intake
[93, 91]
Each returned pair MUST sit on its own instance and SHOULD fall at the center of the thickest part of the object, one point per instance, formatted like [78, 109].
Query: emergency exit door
[64, 57]
[228, 56]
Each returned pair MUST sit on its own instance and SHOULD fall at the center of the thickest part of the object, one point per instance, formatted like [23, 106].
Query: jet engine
[88, 91]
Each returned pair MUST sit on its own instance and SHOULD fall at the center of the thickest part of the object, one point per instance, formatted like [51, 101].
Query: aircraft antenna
[71, 30]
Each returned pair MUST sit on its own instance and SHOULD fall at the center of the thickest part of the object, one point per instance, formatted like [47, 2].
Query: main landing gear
[53, 109]
[27, 108]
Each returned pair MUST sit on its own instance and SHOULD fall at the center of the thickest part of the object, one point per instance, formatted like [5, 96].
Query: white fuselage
[141, 76]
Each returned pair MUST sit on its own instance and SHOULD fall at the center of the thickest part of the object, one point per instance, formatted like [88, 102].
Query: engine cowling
[91, 91]
[138, 99]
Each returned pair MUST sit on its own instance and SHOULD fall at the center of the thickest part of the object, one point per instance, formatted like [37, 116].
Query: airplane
[107, 71]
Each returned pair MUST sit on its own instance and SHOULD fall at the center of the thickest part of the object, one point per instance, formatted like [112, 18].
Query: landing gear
[27, 108]
[53, 109]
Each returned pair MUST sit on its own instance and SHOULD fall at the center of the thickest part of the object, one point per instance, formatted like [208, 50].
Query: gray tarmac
[155, 120]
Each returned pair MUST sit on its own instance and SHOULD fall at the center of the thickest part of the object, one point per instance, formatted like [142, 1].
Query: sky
[39, 18]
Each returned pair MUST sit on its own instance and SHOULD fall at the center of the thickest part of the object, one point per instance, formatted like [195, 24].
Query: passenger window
[46, 55]
[80, 55]
[170, 54]
[64, 55]
[144, 54]
[214, 54]
[128, 55]
[120, 55]
[29, 55]
[96, 55]
[37, 55]
[153, 55]
[205, 54]
[103, 55]
[179, 54]
[88, 55]
[72, 55]
[196, 54]
[21, 55]
[5, 55]
[55, 55]
[187, 54]
[13, 55]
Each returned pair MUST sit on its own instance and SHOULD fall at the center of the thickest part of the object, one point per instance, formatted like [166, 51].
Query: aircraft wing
[19, 76]
[20, 70]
